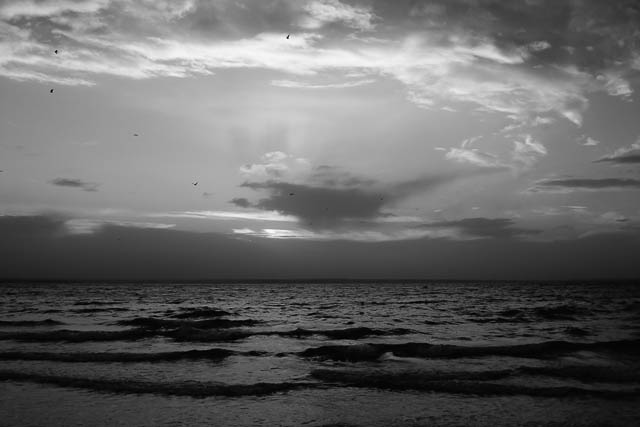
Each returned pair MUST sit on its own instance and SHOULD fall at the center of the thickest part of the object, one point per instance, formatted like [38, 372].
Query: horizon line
[329, 280]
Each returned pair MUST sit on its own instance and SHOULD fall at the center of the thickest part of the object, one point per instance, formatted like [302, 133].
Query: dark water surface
[348, 354]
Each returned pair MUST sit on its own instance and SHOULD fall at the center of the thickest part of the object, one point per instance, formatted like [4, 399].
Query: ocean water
[314, 354]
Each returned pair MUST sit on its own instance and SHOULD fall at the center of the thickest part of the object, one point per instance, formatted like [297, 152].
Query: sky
[195, 139]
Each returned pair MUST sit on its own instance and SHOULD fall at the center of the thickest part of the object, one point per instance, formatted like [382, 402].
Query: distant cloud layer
[75, 183]
[139, 252]
[572, 184]
[485, 227]
[513, 58]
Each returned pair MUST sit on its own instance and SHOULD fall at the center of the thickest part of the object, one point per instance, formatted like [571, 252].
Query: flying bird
[135, 134]
[56, 51]
[51, 91]
[288, 36]
[195, 183]
[292, 194]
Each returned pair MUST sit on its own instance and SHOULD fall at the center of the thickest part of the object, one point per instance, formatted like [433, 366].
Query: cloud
[319, 206]
[323, 12]
[241, 202]
[303, 85]
[275, 165]
[13, 9]
[565, 185]
[332, 199]
[623, 155]
[481, 58]
[75, 183]
[355, 235]
[539, 45]
[484, 227]
[587, 141]
[90, 226]
[227, 215]
[524, 155]
[615, 85]
[474, 157]
[528, 151]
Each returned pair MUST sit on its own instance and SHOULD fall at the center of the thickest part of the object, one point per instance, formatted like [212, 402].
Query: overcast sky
[382, 138]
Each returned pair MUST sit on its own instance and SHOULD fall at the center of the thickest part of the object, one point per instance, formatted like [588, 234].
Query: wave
[196, 312]
[587, 374]
[155, 323]
[199, 335]
[45, 322]
[516, 315]
[186, 388]
[76, 336]
[468, 383]
[560, 312]
[183, 331]
[93, 310]
[211, 354]
[340, 334]
[96, 302]
[369, 352]
[576, 332]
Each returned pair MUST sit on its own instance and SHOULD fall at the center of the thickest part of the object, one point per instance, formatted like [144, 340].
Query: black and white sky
[383, 138]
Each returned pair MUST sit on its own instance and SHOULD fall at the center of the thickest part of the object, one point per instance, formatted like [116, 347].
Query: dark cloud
[39, 248]
[321, 206]
[626, 158]
[591, 34]
[333, 199]
[485, 227]
[74, 183]
[241, 202]
[587, 184]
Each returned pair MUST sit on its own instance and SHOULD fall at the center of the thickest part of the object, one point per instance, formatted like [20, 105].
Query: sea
[344, 353]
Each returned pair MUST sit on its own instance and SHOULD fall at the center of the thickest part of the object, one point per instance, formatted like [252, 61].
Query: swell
[468, 383]
[182, 331]
[28, 323]
[186, 388]
[586, 374]
[369, 352]
[195, 312]
[210, 354]
[155, 323]
[76, 336]
[455, 383]
[339, 334]
[96, 302]
[531, 315]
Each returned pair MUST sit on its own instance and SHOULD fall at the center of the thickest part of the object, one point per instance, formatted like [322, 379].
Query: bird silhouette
[288, 36]
[195, 183]
[51, 91]
[135, 134]
[292, 194]
[56, 51]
